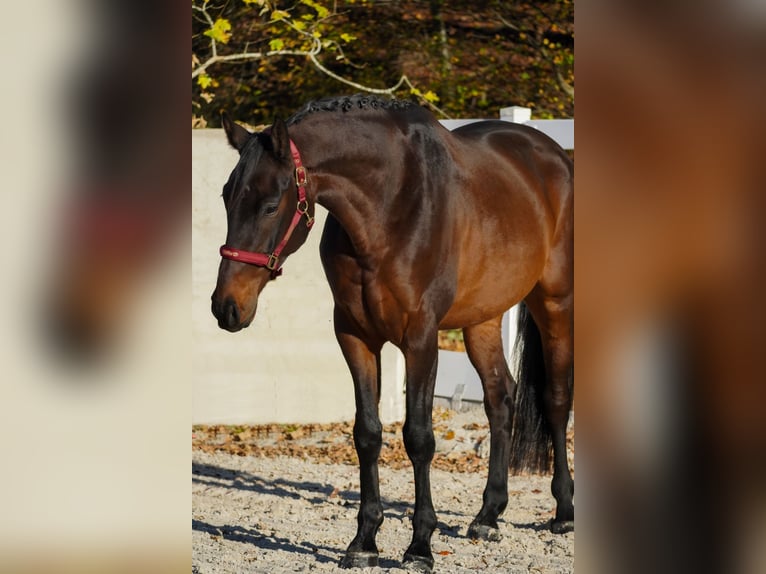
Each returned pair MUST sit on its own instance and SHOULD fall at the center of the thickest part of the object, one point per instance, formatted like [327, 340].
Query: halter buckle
[272, 262]
[301, 176]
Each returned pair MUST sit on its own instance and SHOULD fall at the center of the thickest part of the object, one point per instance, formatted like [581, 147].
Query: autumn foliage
[258, 58]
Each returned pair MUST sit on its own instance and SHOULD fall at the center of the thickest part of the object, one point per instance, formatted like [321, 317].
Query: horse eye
[270, 209]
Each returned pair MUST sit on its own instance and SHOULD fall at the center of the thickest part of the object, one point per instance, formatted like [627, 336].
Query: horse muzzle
[229, 315]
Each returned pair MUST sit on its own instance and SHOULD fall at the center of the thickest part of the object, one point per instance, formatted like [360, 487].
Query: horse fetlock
[565, 511]
[371, 515]
[562, 489]
[424, 523]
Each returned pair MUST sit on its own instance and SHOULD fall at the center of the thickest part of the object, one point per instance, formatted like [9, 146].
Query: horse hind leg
[553, 317]
[484, 345]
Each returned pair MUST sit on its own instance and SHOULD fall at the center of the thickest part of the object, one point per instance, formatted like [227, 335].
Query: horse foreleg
[364, 363]
[420, 359]
[485, 350]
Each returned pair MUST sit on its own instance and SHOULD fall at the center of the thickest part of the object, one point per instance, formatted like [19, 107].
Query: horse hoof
[420, 564]
[359, 560]
[484, 532]
[562, 526]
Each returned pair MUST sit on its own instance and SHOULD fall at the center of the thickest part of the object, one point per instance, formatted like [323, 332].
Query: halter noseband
[270, 260]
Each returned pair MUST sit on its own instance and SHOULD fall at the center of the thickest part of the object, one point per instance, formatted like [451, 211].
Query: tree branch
[243, 57]
[203, 11]
[312, 54]
[565, 86]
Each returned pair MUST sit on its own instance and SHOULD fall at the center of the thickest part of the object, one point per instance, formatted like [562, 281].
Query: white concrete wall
[287, 366]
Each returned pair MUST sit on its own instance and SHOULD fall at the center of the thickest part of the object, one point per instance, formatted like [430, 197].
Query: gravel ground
[260, 514]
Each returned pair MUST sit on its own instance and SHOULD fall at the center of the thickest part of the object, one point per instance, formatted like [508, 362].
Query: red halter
[269, 261]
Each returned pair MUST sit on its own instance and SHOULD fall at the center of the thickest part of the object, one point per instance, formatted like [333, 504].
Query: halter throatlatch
[271, 260]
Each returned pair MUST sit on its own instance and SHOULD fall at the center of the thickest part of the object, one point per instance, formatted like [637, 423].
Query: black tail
[531, 445]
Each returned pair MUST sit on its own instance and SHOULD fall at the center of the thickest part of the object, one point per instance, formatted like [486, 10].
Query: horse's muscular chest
[373, 307]
[377, 294]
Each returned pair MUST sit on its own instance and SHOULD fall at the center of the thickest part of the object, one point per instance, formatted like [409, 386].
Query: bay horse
[427, 229]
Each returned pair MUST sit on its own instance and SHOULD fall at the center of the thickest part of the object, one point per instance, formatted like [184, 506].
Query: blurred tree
[257, 58]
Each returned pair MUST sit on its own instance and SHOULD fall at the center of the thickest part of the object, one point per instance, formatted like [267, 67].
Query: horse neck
[346, 174]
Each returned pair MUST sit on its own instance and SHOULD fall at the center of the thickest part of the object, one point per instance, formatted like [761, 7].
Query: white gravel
[275, 515]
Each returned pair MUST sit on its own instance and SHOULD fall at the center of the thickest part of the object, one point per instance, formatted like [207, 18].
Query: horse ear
[235, 133]
[280, 139]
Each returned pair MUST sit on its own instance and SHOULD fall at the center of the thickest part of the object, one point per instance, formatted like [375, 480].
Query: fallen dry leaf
[333, 443]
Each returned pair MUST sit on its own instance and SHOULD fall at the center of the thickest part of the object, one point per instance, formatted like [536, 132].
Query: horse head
[264, 217]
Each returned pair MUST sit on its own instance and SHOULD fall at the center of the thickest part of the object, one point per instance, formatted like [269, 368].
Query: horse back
[514, 189]
[506, 147]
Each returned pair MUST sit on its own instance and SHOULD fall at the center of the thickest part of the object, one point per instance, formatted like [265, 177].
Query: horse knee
[368, 437]
[419, 442]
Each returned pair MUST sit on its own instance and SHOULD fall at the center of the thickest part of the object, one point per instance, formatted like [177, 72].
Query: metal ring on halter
[303, 209]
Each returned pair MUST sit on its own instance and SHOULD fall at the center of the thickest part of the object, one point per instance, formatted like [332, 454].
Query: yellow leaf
[220, 31]
[279, 15]
[431, 97]
[321, 11]
[204, 81]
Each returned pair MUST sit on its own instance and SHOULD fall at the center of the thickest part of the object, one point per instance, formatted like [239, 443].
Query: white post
[516, 114]
[391, 408]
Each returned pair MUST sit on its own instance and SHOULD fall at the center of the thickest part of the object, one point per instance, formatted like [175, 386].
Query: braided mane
[346, 104]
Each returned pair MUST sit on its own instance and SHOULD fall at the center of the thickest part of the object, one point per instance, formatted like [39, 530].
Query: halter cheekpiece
[271, 260]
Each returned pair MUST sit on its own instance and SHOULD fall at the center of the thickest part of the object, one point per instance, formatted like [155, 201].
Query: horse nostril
[227, 312]
[231, 313]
